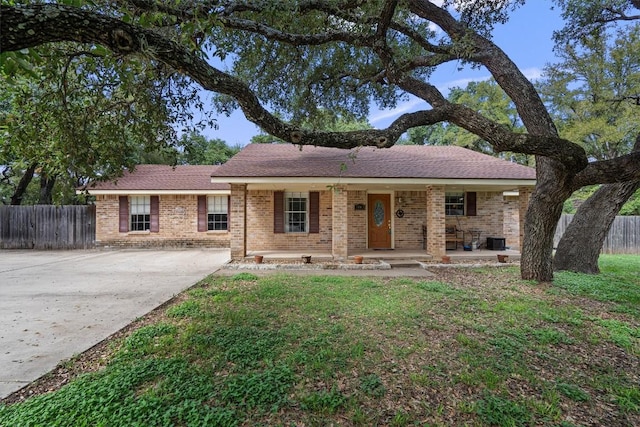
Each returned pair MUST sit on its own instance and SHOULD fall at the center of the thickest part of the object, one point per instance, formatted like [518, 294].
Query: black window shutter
[202, 213]
[278, 212]
[154, 226]
[471, 203]
[123, 209]
[314, 212]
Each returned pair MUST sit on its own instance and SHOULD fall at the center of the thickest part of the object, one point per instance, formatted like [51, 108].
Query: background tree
[198, 150]
[77, 114]
[291, 59]
[592, 92]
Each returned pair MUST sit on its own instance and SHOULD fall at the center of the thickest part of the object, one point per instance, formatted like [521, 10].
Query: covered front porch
[413, 217]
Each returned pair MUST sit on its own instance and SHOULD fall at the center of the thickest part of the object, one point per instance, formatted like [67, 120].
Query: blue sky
[526, 38]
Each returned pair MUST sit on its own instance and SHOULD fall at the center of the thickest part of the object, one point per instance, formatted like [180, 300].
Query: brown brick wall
[435, 220]
[408, 229]
[497, 216]
[178, 225]
[357, 221]
[511, 226]
[260, 235]
[238, 216]
[489, 219]
[340, 215]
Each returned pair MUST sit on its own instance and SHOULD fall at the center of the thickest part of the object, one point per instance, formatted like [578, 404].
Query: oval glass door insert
[378, 213]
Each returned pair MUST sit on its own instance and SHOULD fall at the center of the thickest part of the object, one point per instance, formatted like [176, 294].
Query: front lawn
[471, 347]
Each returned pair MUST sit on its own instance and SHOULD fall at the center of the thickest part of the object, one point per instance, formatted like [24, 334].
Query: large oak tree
[593, 92]
[292, 57]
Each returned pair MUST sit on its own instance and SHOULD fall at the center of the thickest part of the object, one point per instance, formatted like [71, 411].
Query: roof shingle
[164, 177]
[399, 161]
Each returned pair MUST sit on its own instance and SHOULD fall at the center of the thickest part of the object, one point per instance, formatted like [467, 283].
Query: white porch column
[436, 244]
[340, 223]
[238, 221]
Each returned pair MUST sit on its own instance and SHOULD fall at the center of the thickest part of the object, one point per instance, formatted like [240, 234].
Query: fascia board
[375, 181]
[154, 192]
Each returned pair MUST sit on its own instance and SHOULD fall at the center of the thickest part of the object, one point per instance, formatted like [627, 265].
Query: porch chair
[453, 235]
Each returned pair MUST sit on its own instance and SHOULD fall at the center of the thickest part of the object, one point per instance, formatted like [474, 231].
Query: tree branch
[385, 18]
[620, 169]
[290, 38]
[33, 25]
[27, 26]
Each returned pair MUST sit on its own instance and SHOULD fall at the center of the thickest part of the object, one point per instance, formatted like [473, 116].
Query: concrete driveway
[56, 304]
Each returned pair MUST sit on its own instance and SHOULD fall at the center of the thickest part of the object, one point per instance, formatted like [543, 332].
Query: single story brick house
[281, 197]
[160, 205]
[286, 197]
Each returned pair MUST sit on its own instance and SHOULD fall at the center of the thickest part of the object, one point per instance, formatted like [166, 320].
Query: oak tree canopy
[294, 58]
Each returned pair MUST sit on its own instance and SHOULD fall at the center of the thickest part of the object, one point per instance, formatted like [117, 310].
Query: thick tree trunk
[21, 189]
[545, 209]
[46, 189]
[580, 245]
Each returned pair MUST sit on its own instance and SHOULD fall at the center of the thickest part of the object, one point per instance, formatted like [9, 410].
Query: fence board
[623, 237]
[47, 227]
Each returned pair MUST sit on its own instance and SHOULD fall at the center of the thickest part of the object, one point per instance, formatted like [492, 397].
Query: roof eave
[376, 181]
[97, 192]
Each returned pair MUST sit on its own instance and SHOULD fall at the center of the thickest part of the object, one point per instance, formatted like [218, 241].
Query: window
[217, 213]
[295, 212]
[454, 203]
[139, 213]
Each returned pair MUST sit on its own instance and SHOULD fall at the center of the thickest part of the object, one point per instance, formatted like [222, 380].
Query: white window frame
[139, 213]
[452, 204]
[296, 220]
[217, 205]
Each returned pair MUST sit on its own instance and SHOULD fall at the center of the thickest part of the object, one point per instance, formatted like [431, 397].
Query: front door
[379, 221]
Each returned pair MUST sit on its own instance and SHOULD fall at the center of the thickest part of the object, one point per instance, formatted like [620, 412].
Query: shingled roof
[400, 161]
[163, 178]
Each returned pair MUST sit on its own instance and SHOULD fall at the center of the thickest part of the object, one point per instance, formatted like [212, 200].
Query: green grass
[474, 347]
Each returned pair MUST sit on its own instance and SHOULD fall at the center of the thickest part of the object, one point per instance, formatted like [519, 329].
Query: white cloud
[404, 107]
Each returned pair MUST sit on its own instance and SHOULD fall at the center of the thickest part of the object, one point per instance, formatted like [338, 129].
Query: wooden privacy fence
[47, 227]
[623, 237]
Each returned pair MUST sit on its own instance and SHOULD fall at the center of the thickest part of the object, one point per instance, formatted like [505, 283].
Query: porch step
[403, 263]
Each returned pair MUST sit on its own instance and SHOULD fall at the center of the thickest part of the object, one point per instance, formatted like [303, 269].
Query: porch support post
[436, 244]
[238, 221]
[339, 221]
[523, 202]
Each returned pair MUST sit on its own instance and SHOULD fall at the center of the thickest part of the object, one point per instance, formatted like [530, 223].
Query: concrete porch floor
[391, 254]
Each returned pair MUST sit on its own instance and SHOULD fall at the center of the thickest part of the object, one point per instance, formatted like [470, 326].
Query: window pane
[140, 222]
[454, 204]
[217, 222]
[296, 212]
[217, 204]
[139, 211]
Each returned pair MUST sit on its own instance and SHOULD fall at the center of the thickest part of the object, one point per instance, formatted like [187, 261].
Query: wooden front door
[379, 215]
